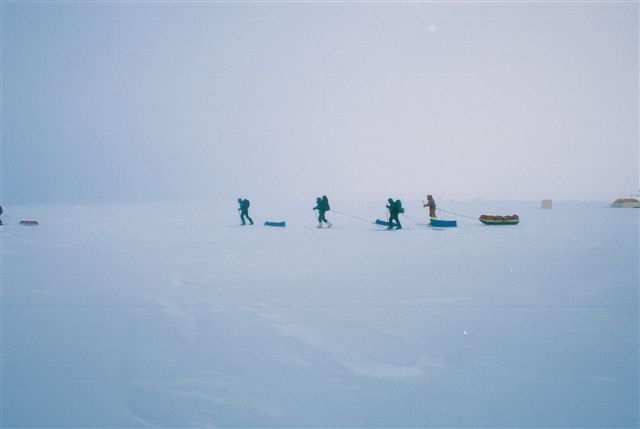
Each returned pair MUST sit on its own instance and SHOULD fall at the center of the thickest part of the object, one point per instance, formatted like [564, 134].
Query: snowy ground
[168, 316]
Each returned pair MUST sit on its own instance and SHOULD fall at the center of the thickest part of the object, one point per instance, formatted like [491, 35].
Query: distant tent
[626, 203]
[546, 204]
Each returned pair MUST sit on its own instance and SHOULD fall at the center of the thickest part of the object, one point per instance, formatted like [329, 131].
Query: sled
[29, 222]
[442, 224]
[626, 203]
[279, 224]
[500, 220]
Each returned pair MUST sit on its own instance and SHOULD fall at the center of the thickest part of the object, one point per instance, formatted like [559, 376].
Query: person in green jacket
[322, 205]
[244, 211]
[395, 208]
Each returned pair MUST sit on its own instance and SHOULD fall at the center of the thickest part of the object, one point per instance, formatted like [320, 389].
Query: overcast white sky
[126, 101]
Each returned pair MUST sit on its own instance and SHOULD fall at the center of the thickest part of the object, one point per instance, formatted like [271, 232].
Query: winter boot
[320, 225]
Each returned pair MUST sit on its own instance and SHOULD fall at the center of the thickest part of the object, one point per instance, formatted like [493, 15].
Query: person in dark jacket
[431, 204]
[244, 211]
[395, 208]
[322, 205]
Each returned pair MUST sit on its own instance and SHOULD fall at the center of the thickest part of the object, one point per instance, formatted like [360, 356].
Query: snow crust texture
[164, 315]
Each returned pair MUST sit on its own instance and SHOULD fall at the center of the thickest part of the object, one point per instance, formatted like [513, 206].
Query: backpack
[399, 206]
[325, 202]
[247, 203]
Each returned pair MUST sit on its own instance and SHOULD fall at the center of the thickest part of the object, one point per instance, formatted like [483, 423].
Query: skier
[322, 205]
[244, 210]
[395, 208]
[431, 204]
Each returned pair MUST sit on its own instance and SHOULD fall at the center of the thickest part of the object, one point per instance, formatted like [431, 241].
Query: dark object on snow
[281, 224]
[500, 220]
[395, 208]
[322, 205]
[29, 222]
[244, 211]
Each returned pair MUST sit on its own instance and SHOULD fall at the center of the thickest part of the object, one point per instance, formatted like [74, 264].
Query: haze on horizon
[136, 101]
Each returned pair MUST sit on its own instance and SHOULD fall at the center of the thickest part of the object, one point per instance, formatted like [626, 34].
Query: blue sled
[439, 223]
[385, 223]
[281, 224]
